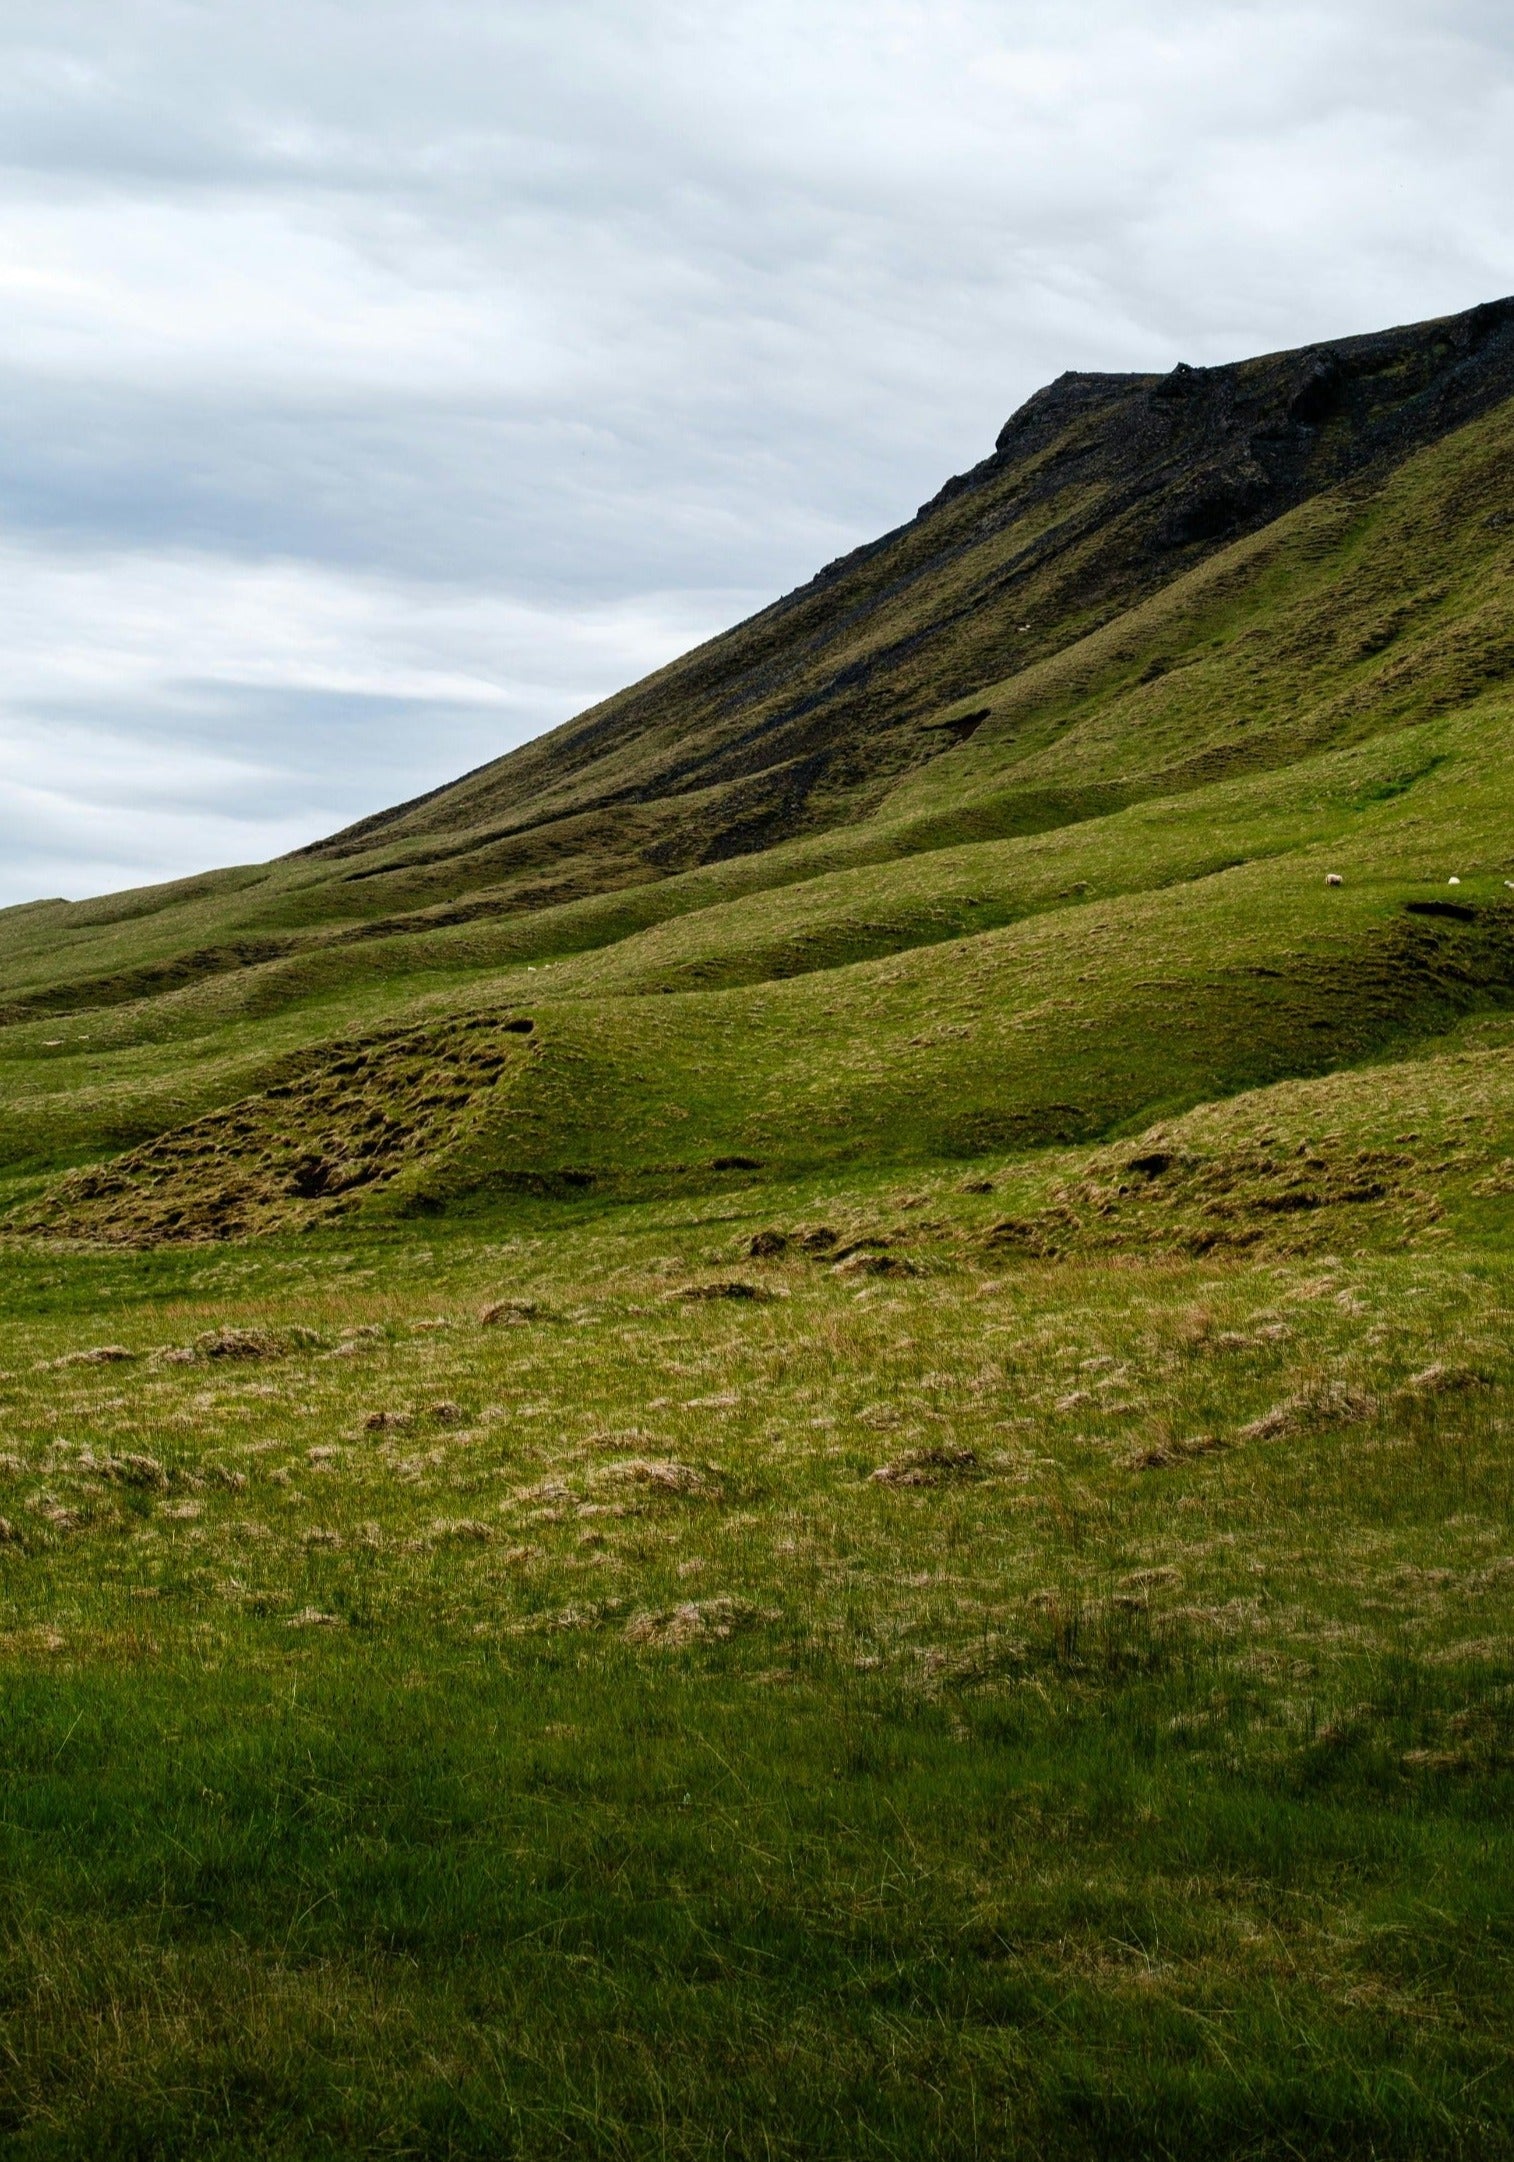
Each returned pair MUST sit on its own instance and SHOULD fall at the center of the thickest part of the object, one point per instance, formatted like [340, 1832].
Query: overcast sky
[385, 381]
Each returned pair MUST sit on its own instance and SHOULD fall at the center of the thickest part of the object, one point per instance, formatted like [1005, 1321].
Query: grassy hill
[1325, 692]
[784, 1429]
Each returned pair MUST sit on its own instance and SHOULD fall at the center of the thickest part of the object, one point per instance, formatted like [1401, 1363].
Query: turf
[1045, 1703]
[698, 1463]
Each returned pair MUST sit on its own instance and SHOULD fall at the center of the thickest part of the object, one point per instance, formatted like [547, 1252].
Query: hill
[1098, 721]
[784, 1431]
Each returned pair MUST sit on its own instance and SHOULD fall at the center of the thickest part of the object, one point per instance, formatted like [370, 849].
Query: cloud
[515, 345]
[161, 713]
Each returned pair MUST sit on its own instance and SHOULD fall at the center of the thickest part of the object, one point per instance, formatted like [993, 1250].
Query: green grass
[1098, 1797]
[820, 1930]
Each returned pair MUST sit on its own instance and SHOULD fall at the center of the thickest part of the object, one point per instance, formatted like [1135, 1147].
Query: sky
[382, 382]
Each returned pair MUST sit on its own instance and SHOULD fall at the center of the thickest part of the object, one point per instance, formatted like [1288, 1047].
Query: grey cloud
[551, 504]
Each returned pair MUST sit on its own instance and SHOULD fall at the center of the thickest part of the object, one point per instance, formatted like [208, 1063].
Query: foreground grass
[436, 1737]
[423, 1902]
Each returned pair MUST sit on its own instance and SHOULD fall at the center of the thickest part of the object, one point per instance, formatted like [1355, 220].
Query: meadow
[563, 1682]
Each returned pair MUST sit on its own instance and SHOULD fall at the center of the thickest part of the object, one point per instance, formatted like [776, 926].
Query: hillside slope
[1012, 828]
[1103, 491]
[879, 1517]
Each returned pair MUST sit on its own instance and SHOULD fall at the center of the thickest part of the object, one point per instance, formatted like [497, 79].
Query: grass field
[950, 1700]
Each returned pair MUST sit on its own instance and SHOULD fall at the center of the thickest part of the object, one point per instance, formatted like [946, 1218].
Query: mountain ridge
[1274, 409]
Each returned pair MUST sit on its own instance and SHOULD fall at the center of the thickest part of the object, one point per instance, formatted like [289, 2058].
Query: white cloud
[221, 711]
[365, 353]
